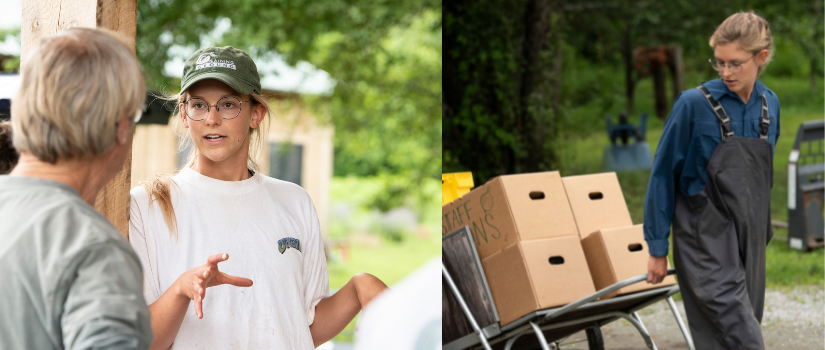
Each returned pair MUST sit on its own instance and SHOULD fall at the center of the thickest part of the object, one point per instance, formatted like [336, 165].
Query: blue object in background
[621, 154]
[5, 109]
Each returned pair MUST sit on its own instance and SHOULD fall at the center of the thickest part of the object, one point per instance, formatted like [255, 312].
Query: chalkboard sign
[462, 263]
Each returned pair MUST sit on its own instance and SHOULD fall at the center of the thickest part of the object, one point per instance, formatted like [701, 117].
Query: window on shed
[285, 161]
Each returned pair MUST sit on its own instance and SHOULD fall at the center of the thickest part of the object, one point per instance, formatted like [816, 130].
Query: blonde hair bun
[750, 31]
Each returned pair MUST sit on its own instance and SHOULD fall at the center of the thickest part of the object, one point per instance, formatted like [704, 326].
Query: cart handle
[464, 307]
[592, 297]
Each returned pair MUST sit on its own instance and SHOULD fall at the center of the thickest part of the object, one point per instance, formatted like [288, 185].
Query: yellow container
[455, 185]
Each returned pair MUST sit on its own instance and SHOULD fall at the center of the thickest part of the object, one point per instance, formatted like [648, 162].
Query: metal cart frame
[543, 320]
[585, 313]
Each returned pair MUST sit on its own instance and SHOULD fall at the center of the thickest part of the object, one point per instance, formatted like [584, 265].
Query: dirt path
[794, 319]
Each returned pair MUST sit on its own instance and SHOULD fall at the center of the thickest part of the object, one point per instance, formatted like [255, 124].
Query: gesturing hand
[193, 283]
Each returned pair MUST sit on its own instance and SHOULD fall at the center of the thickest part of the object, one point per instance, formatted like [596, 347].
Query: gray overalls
[719, 239]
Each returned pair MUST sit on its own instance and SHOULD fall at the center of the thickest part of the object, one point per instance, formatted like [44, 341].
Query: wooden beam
[42, 18]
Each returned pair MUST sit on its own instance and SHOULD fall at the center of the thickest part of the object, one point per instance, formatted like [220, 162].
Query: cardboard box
[512, 208]
[597, 202]
[535, 275]
[617, 254]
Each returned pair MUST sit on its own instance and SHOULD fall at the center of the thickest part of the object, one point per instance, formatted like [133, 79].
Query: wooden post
[657, 56]
[42, 18]
[677, 70]
[628, 55]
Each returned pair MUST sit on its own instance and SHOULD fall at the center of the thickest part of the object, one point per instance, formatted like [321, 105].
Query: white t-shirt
[270, 230]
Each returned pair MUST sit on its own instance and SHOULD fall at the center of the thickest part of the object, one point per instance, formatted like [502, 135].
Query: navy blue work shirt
[690, 136]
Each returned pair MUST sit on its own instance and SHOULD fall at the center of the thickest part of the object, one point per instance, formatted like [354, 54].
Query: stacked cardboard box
[528, 242]
[597, 202]
[545, 241]
[617, 254]
[614, 248]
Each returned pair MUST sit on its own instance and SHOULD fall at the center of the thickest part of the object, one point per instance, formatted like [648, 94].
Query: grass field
[581, 153]
[389, 261]
[371, 251]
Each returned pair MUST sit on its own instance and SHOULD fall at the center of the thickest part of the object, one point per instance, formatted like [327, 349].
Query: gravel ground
[793, 319]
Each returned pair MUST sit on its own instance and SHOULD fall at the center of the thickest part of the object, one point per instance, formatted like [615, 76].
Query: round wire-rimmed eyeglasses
[197, 109]
[733, 67]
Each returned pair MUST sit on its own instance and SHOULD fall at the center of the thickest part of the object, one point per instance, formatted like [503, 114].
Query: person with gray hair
[71, 281]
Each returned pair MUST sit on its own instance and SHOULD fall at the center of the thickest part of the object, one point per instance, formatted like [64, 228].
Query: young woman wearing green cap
[261, 228]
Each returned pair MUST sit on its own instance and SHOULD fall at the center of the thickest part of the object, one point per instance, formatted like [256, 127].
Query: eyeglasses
[197, 109]
[733, 67]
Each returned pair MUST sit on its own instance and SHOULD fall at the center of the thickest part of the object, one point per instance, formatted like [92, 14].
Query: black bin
[806, 187]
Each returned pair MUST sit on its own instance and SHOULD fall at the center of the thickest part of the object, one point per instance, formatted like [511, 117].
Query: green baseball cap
[227, 64]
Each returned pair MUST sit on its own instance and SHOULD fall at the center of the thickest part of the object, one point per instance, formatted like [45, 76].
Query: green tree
[608, 32]
[384, 56]
[494, 127]
[10, 64]
[503, 74]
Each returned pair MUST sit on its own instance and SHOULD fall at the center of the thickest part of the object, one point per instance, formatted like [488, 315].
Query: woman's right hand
[656, 269]
[193, 283]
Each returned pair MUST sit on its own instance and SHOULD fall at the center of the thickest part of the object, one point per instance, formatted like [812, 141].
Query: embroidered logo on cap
[206, 61]
[289, 242]
[206, 57]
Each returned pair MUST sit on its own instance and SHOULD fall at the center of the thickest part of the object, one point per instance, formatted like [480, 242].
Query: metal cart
[550, 326]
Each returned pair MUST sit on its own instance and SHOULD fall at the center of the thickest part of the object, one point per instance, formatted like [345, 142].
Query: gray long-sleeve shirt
[68, 279]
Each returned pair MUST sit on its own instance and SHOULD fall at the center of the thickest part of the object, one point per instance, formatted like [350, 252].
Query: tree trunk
[42, 18]
[677, 70]
[514, 95]
[555, 93]
[627, 57]
[534, 87]
[657, 58]
[816, 26]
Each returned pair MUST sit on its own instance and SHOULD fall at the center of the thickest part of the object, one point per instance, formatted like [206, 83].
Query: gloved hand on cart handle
[656, 269]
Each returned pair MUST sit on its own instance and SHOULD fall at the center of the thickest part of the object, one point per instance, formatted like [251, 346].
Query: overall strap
[724, 121]
[765, 119]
